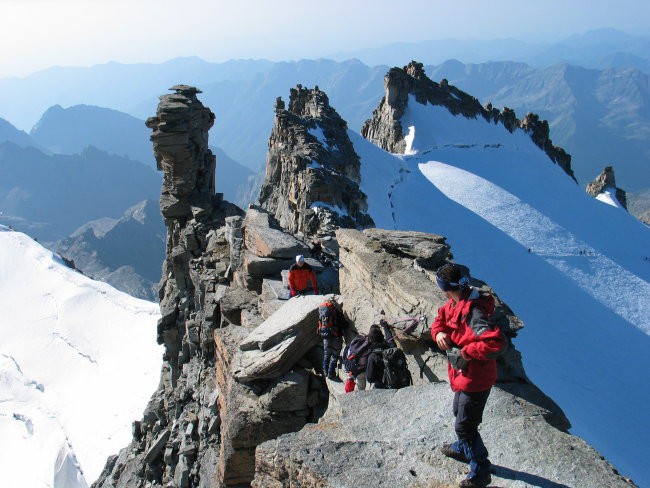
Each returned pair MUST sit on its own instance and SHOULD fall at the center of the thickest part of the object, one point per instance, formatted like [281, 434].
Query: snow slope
[571, 267]
[78, 363]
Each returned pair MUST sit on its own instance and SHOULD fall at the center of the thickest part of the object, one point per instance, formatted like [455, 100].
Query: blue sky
[43, 33]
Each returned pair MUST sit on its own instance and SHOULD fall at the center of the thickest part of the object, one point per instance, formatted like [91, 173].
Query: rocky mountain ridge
[240, 360]
[312, 172]
[384, 128]
[126, 252]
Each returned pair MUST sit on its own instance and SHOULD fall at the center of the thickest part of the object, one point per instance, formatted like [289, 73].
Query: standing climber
[301, 275]
[462, 329]
[330, 329]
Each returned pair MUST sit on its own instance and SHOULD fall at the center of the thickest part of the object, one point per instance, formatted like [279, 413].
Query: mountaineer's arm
[490, 340]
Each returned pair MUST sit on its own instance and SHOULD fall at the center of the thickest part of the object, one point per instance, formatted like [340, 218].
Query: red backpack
[326, 320]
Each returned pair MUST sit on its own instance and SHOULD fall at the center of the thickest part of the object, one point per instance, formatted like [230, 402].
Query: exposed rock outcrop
[177, 441]
[606, 181]
[267, 384]
[384, 438]
[241, 360]
[312, 171]
[385, 129]
[391, 275]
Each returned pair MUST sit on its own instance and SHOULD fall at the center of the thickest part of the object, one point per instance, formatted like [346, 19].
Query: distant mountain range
[600, 49]
[71, 130]
[50, 196]
[600, 116]
[126, 253]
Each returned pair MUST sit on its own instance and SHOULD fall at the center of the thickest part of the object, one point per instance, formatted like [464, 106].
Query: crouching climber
[301, 275]
[463, 330]
[387, 368]
[375, 365]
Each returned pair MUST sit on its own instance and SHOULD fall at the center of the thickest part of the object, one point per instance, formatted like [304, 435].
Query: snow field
[85, 362]
[571, 267]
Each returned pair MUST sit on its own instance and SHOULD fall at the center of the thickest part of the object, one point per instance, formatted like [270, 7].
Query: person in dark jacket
[463, 330]
[378, 342]
[301, 275]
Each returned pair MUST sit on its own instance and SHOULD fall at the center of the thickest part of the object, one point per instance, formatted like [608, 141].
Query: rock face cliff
[385, 129]
[606, 181]
[176, 443]
[312, 172]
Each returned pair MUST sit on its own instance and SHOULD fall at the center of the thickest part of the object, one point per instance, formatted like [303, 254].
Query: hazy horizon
[46, 33]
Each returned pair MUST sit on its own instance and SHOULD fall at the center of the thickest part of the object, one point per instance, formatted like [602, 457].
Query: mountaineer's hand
[443, 340]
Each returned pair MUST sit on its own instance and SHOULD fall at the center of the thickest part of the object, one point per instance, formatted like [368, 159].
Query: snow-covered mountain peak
[459, 119]
[78, 360]
[575, 271]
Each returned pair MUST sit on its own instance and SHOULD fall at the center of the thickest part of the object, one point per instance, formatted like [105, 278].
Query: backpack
[355, 355]
[326, 321]
[396, 372]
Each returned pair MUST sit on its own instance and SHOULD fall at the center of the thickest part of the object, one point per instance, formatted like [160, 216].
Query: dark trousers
[331, 351]
[468, 410]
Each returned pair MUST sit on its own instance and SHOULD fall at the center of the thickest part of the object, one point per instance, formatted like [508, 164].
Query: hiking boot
[476, 481]
[334, 377]
[449, 451]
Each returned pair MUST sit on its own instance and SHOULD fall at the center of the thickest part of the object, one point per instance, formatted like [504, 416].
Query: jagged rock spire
[180, 144]
[606, 180]
[177, 440]
[384, 128]
[312, 171]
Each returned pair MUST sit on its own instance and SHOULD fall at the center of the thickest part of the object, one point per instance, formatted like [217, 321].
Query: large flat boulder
[267, 242]
[258, 267]
[280, 341]
[391, 438]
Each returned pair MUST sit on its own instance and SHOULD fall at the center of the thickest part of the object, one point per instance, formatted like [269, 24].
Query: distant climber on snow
[463, 330]
[301, 275]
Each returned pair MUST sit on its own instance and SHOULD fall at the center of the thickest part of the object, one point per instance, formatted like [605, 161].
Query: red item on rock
[349, 385]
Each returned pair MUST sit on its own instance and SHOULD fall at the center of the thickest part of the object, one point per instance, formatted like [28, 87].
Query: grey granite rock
[312, 171]
[382, 438]
[280, 341]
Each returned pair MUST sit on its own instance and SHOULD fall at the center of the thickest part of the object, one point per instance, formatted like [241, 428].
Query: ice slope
[570, 266]
[78, 363]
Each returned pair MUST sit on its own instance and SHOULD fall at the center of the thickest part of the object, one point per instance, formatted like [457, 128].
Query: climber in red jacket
[463, 330]
[301, 275]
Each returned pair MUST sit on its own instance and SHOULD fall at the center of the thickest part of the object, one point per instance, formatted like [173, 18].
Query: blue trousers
[331, 351]
[468, 410]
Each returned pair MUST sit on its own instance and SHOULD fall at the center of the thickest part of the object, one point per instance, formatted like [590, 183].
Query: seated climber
[472, 342]
[301, 275]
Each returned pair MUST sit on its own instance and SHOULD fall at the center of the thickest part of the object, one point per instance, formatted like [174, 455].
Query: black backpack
[396, 372]
[355, 355]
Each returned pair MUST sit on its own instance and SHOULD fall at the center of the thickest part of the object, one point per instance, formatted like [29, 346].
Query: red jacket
[299, 278]
[480, 341]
